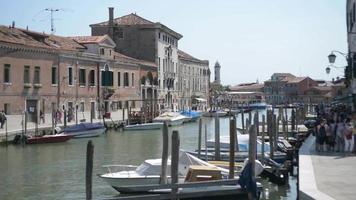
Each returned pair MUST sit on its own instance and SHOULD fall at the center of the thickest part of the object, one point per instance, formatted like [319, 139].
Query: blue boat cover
[83, 127]
[246, 181]
[190, 113]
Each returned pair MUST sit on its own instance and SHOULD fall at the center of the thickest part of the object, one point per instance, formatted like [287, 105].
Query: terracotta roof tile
[184, 55]
[88, 39]
[130, 19]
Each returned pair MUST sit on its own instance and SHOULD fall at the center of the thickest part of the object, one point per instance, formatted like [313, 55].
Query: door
[31, 107]
[92, 109]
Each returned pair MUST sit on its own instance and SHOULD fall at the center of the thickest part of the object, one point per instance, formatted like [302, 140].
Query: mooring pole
[199, 135]
[163, 178]
[263, 136]
[89, 170]
[206, 140]
[175, 163]
[232, 148]
[217, 137]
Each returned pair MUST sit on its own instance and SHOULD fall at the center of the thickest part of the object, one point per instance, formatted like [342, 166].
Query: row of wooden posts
[252, 130]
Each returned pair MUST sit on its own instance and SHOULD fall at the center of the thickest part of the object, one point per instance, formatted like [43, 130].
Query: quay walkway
[15, 126]
[325, 175]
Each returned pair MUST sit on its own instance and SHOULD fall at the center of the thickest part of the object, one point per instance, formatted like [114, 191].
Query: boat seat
[197, 173]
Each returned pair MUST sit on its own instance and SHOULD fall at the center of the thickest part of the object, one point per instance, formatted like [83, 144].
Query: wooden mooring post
[163, 178]
[232, 147]
[199, 137]
[175, 163]
[263, 136]
[206, 141]
[242, 121]
[252, 151]
[275, 132]
[89, 170]
[217, 137]
[270, 128]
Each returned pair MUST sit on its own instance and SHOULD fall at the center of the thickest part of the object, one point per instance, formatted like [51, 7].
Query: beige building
[42, 73]
[193, 82]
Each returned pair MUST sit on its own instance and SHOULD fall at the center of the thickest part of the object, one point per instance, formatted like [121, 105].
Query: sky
[251, 39]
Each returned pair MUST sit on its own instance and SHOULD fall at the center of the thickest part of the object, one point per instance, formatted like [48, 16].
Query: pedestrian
[354, 130]
[42, 120]
[340, 141]
[2, 119]
[332, 129]
[348, 136]
[329, 136]
[321, 132]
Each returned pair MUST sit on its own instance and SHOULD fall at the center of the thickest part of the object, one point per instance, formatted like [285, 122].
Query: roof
[89, 39]
[247, 87]
[130, 19]
[186, 56]
[295, 79]
[133, 19]
[283, 74]
[16, 36]
[36, 39]
[124, 58]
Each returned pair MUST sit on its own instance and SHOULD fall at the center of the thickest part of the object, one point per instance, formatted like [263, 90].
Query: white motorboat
[145, 126]
[139, 178]
[172, 118]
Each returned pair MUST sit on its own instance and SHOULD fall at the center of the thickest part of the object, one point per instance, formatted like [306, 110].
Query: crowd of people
[335, 129]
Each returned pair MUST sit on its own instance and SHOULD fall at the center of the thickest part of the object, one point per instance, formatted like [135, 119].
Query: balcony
[37, 85]
[27, 85]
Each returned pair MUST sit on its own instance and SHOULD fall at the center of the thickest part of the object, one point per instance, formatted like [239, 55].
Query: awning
[201, 99]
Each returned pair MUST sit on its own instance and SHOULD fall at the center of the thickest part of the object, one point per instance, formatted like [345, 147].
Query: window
[82, 81]
[107, 78]
[126, 79]
[110, 52]
[26, 74]
[37, 75]
[7, 73]
[132, 79]
[70, 75]
[120, 105]
[54, 75]
[133, 104]
[119, 79]
[81, 107]
[120, 34]
[92, 78]
[102, 51]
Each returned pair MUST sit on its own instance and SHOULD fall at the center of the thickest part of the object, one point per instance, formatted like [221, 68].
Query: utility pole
[52, 19]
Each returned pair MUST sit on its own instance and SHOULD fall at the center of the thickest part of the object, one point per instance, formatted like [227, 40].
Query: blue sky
[250, 38]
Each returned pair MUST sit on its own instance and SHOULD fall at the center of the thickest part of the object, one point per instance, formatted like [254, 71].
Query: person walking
[2, 119]
[340, 141]
[354, 130]
[321, 132]
[348, 136]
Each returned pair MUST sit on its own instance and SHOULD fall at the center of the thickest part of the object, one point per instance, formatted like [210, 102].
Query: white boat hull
[174, 122]
[87, 133]
[147, 126]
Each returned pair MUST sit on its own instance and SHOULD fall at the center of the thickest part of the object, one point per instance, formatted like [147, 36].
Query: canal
[57, 171]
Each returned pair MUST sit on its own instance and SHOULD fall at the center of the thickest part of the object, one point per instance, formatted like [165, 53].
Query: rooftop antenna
[51, 10]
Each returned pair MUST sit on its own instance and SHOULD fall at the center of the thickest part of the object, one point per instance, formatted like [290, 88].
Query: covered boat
[213, 113]
[139, 178]
[191, 115]
[83, 130]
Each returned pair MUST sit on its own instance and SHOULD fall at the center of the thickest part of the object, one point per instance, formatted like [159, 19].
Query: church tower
[217, 73]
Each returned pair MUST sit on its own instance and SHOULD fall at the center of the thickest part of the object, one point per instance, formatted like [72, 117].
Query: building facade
[350, 72]
[145, 40]
[193, 82]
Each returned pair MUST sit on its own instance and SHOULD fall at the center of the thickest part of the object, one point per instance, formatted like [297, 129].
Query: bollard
[199, 137]
[175, 163]
[232, 148]
[163, 178]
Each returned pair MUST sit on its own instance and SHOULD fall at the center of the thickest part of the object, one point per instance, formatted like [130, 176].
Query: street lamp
[332, 58]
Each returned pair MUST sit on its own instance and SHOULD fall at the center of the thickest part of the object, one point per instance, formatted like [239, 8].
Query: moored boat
[47, 138]
[213, 113]
[140, 178]
[84, 130]
[172, 118]
[145, 126]
[191, 116]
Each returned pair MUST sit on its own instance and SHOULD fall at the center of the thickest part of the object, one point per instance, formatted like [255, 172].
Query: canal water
[57, 171]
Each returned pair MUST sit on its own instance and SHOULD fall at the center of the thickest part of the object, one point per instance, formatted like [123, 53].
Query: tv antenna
[52, 10]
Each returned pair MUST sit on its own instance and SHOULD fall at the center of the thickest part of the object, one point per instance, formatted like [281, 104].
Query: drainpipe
[98, 89]
[58, 82]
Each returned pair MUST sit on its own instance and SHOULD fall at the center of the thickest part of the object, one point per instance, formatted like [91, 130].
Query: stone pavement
[14, 123]
[326, 175]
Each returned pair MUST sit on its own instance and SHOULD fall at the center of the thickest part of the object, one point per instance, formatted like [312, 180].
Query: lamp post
[332, 58]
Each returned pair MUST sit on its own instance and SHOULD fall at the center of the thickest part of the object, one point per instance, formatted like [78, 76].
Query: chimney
[13, 24]
[111, 22]
[111, 16]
